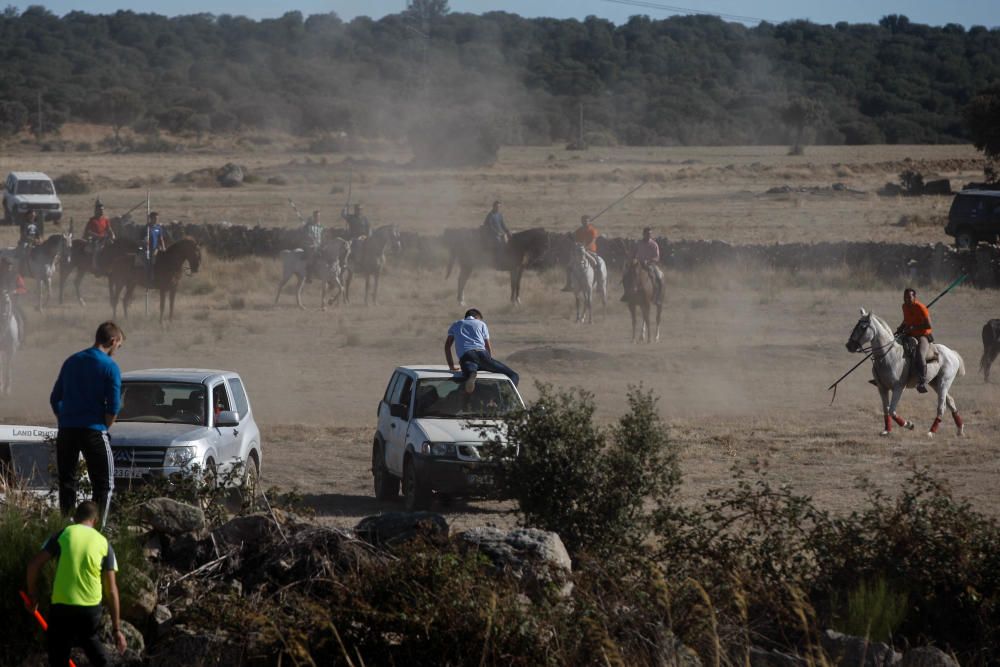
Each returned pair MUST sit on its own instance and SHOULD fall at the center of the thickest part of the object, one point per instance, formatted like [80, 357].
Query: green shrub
[589, 484]
[874, 611]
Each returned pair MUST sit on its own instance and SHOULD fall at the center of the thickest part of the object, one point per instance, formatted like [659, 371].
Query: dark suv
[974, 217]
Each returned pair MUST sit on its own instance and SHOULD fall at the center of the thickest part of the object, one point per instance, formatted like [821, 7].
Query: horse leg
[127, 299]
[378, 275]
[659, 313]
[281, 286]
[897, 393]
[368, 279]
[163, 305]
[464, 273]
[298, 291]
[77, 282]
[647, 322]
[884, 395]
[588, 306]
[515, 284]
[347, 285]
[959, 424]
[631, 310]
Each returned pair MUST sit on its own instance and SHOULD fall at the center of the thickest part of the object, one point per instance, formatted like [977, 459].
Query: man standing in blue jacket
[86, 399]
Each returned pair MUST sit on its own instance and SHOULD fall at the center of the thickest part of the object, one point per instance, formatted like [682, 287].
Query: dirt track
[741, 372]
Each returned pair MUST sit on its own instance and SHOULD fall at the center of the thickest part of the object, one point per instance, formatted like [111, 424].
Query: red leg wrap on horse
[934, 426]
[888, 423]
[958, 419]
[899, 420]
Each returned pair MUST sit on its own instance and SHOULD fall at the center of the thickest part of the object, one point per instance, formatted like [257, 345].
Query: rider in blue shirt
[154, 241]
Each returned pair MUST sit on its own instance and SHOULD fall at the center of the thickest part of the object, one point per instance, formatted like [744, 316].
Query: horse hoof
[961, 431]
[930, 434]
[885, 434]
[909, 425]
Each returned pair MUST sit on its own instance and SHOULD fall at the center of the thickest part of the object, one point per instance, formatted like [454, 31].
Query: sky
[933, 12]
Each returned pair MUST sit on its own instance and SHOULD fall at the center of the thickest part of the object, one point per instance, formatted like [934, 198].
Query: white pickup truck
[430, 432]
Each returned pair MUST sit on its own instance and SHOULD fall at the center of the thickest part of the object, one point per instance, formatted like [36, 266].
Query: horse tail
[961, 364]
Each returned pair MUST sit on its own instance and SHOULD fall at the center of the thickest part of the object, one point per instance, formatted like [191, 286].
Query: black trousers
[96, 449]
[69, 626]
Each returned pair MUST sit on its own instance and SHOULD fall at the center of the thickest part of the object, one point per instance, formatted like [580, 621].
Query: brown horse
[470, 249]
[81, 263]
[640, 293]
[127, 272]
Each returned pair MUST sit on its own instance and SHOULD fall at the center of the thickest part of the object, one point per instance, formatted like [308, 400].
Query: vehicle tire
[386, 484]
[211, 474]
[416, 496]
[964, 240]
[251, 482]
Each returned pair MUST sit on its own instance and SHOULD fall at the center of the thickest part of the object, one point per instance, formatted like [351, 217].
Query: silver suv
[25, 191]
[176, 420]
[430, 432]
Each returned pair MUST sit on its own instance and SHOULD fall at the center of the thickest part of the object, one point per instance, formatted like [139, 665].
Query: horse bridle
[864, 323]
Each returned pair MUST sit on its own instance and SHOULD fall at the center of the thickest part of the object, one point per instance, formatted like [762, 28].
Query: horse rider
[313, 241]
[153, 243]
[358, 226]
[495, 230]
[97, 233]
[917, 327]
[32, 230]
[586, 235]
[12, 283]
[647, 253]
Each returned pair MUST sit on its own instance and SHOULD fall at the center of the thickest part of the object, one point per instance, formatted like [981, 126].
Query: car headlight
[178, 457]
[443, 449]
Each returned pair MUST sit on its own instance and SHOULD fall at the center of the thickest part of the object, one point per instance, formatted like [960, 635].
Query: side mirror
[227, 418]
[398, 411]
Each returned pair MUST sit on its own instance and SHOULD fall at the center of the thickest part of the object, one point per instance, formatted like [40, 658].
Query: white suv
[25, 191]
[430, 432]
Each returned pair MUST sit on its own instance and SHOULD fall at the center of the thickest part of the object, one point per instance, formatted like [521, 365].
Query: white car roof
[441, 371]
[197, 375]
[30, 176]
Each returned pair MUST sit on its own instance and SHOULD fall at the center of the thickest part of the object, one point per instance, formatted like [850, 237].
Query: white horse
[43, 259]
[587, 274]
[9, 338]
[328, 269]
[891, 370]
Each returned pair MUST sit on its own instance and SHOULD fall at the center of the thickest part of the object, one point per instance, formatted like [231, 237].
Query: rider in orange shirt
[917, 325]
[586, 235]
[97, 232]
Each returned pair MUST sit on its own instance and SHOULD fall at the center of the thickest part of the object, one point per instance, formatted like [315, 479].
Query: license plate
[480, 480]
[131, 473]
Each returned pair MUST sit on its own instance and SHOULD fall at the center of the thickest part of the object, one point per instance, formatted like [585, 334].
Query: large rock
[537, 557]
[170, 517]
[251, 529]
[927, 656]
[231, 175]
[138, 605]
[849, 651]
[393, 528]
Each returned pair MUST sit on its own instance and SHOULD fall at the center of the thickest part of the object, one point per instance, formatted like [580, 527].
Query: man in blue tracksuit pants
[472, 343]
[86, 399]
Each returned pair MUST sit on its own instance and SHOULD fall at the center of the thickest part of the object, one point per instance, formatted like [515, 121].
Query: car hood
[36, 199]
[458, 430]
[147, 434]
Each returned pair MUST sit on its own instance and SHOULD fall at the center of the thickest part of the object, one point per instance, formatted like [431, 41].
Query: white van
[25, 191]
[27, 457]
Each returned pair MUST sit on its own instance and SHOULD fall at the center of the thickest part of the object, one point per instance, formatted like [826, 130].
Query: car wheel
[386, 484]
[211, 474]
[251, 481]
[416, 496]
[965, 240]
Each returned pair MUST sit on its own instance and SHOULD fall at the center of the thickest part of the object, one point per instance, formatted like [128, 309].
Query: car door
[244, 433]
[399, 421]
[226, 438]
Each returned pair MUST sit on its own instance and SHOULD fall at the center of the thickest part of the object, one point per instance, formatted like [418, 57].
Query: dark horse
[81, 263]
[991, 347]
[126, 272]
[640, 293]
[470, 249]
[369, 259]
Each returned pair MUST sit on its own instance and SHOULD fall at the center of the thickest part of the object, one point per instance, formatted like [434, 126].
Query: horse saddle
[910, 347]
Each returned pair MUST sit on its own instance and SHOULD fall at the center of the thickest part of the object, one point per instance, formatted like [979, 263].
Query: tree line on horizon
[684, 80]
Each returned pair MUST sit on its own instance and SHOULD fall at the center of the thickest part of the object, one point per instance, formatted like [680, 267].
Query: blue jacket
[89, 386]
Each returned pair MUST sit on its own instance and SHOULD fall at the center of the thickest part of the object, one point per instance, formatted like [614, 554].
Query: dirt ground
[741, 371]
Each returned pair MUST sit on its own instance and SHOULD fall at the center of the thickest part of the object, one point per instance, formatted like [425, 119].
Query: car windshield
[446, 398]
[35, 188]
[172, 402]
